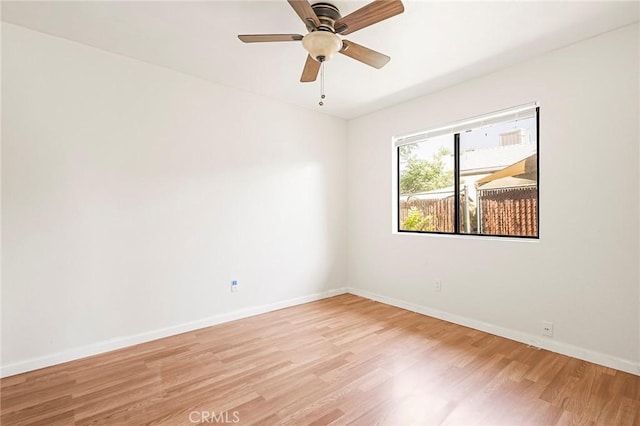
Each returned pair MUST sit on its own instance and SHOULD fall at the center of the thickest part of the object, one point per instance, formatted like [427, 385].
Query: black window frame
[456, 197]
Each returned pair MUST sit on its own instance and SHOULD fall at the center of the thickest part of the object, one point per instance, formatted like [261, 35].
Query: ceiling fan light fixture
[322, 45]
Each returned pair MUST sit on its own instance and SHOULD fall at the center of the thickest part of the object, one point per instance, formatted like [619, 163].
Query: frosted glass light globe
[321, 45]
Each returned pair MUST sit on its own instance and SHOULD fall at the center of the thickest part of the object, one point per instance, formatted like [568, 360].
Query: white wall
[583, 272]
[133, 195]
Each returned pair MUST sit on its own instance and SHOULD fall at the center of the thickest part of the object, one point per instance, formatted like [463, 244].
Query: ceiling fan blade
[306, 13]
[259, 38]
[310, 70]
[374, 12]
[364, 54]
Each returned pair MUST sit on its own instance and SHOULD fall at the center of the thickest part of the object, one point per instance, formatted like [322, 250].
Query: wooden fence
[440, 211]
[509, 211]
[504, 211]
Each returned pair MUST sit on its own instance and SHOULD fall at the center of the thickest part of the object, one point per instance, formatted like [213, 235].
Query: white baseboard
[529, 339]
[122, 342]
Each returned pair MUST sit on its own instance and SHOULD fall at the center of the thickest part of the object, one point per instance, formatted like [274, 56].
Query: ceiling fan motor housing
[328, 14]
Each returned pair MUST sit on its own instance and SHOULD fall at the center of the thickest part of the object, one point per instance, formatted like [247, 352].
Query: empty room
[309, 212]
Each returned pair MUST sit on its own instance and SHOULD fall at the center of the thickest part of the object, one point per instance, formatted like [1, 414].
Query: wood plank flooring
[343, 360]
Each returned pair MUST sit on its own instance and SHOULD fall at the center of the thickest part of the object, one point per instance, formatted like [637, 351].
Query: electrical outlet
[234, 286]
[438, 286]
[547, 328]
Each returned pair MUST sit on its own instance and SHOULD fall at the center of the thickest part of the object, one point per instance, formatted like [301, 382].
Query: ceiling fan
[324, 23]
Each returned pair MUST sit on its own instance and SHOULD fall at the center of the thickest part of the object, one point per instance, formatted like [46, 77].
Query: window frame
[460, 128]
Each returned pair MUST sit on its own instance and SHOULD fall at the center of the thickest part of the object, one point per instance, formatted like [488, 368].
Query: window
[477, 177]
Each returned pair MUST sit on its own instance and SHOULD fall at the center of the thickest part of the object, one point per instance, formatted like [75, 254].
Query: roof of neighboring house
[492, 159]
[435, 194]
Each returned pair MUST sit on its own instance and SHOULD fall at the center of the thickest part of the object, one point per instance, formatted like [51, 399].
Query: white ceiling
[432, 44]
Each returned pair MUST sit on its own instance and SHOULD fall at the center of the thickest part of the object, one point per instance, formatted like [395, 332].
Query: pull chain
[321, 84]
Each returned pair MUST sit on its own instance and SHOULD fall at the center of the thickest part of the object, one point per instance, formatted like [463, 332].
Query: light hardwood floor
[343, 360]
